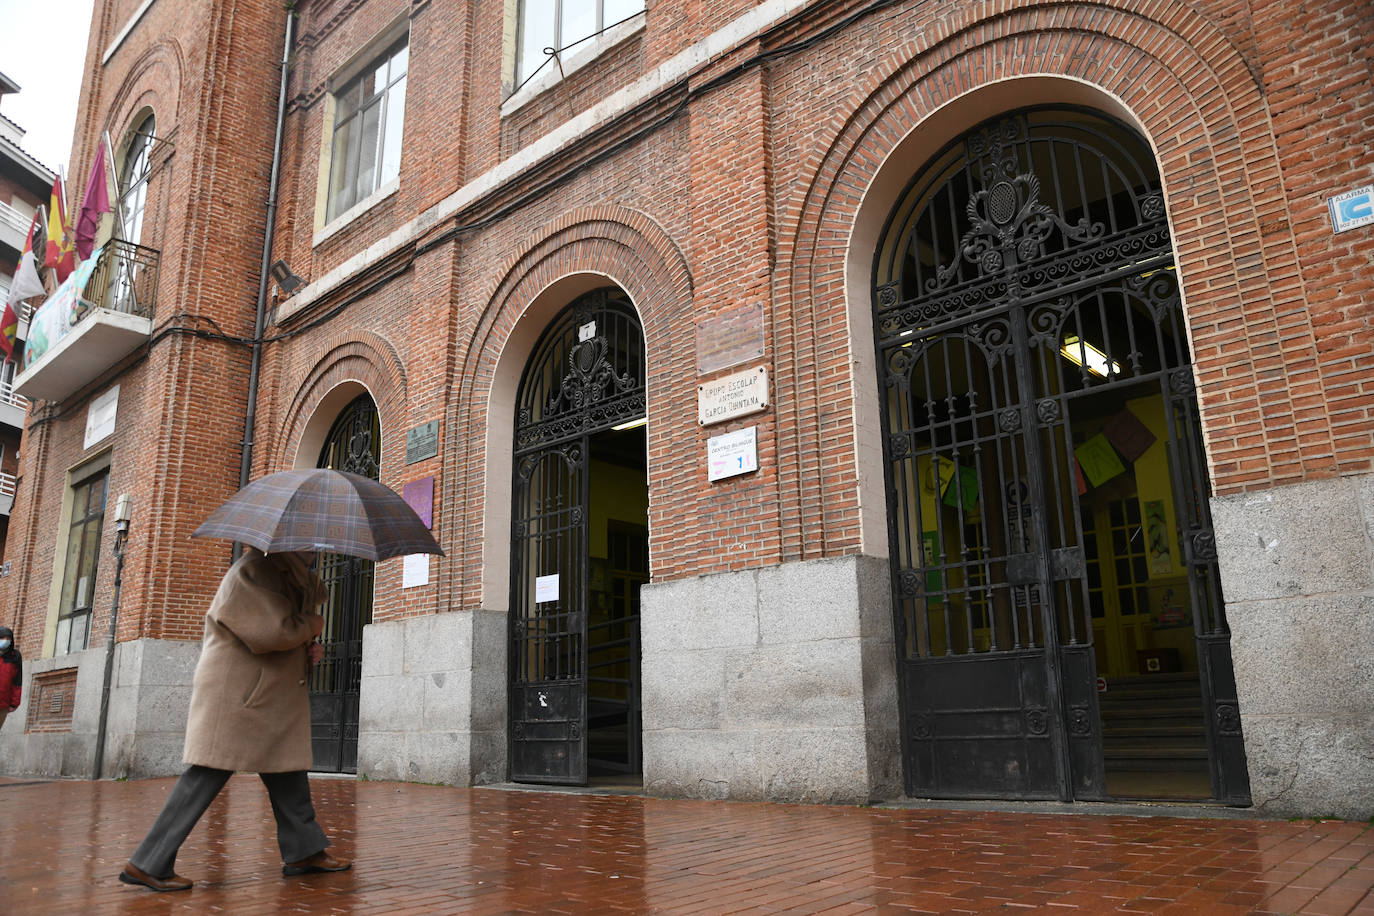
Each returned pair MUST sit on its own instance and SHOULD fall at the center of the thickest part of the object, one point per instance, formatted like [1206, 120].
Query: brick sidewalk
[431, 849]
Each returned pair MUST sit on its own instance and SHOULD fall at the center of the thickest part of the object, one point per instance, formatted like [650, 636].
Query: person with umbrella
[250, 703]
[250, 711]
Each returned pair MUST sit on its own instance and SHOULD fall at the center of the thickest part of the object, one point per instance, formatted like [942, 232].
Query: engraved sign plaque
[736, 395]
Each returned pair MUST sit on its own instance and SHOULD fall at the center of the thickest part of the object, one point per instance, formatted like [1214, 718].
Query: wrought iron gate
[585, 376]
[353, 444]
[1027, 316]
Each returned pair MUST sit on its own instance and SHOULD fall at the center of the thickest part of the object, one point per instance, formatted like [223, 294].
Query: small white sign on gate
[545, 588]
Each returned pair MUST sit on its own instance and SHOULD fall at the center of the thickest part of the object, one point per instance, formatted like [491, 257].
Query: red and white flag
[26, 284]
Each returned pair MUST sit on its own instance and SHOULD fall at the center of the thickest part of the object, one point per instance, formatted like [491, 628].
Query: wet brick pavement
[433, 849]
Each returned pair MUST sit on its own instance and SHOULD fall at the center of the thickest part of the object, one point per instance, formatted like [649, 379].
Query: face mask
[4, 645]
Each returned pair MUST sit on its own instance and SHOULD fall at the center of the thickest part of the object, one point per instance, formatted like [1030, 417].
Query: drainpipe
[246, 466]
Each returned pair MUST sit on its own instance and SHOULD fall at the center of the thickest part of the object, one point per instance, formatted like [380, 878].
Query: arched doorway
[1058, 613]
[579, 547]
[353, 444]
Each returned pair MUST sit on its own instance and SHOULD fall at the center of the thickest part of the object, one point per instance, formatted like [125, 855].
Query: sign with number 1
[732, 454]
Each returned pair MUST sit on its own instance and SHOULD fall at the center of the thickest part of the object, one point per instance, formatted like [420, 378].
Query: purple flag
[96, 202]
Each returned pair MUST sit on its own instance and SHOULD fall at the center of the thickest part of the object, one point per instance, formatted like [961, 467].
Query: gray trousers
[298, 836]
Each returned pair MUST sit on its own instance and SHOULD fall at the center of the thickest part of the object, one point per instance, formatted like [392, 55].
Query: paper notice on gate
[545, 588]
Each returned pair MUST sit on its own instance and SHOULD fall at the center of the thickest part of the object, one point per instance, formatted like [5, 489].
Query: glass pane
[340, 188]
[348, 100]
[400, 61]
[98, 489]
[391, 142]
[90, 562]
[368, 139]
[71, 574]
[81, 631]
[579, 20]
[616, 10]
[537, 21]
[377, 85]
[64, 632]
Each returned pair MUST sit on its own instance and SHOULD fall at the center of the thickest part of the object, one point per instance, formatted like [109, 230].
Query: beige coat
[250, 705]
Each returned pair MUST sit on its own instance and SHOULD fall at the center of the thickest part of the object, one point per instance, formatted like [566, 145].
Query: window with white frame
[369, 115]
[133, 181]
[561, 24]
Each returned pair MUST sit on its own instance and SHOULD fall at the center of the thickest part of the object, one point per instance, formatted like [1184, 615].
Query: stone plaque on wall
[729, 339]
[735, 395]
[422, 442]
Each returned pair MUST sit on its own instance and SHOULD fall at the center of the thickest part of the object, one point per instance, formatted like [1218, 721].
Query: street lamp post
[123, 512]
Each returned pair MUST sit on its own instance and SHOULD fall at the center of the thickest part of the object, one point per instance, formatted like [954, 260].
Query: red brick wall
[720, 195]
[182, 400]
[775, 160]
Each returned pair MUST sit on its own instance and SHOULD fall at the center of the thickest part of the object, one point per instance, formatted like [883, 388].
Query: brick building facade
[985, 258]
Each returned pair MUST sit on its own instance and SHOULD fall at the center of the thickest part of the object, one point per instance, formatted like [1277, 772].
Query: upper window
[133, 181]
[369, 114]
[560, 24]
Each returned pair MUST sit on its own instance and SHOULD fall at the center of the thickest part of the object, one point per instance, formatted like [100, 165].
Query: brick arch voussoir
[1149, 52]
[145, 87]
[627, 245]
[357, 355]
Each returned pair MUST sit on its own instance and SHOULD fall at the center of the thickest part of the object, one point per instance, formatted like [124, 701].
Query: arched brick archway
[351, 363]
[1161, 67]
[583, 250]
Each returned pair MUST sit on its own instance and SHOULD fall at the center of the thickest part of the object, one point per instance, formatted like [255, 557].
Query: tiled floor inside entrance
[432, 849]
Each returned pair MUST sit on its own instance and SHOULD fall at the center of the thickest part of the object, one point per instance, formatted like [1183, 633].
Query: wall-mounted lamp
[123, 513]
[287, 280]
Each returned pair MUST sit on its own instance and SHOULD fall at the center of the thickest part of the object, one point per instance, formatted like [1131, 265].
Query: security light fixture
[1081, 353]
[287, 280]
[123, 513]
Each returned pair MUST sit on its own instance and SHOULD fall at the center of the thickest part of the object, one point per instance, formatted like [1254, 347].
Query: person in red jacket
[11, 674]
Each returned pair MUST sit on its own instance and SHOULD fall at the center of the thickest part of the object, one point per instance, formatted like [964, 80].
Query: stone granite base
[150, 693]
[433, 701]
[776, 684]
[1297, 568]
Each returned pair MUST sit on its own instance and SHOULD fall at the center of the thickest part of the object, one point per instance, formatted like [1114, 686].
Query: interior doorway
[352, 444]
[579, 548]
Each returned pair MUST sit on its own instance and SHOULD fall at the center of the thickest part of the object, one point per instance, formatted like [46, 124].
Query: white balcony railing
[7, 483]
[13, 225]
[11, 397]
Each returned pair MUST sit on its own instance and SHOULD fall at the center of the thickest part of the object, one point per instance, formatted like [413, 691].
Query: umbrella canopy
[321, 509]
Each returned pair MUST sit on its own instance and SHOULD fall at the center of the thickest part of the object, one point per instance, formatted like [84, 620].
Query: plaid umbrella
[321, 509]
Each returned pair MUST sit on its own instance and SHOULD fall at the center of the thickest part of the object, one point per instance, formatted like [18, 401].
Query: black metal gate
[585, 376]
[1035, 367]
[353, 444]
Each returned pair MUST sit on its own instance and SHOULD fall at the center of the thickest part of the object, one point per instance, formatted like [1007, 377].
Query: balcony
[101, 314]
[12, 406]
[7, 482]
[13, 225]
